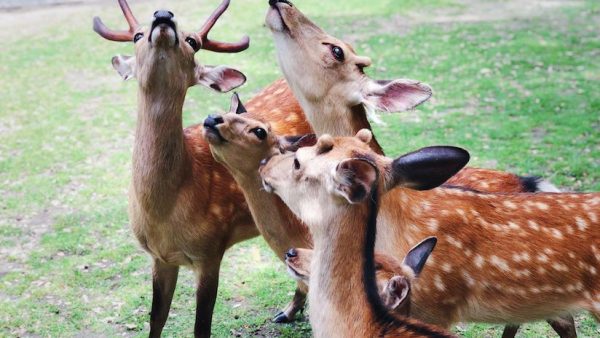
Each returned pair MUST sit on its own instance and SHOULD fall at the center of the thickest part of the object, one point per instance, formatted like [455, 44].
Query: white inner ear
[125, 66]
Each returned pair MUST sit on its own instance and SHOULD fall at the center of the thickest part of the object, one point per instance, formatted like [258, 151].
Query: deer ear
[219, 78]
[397, 289]
[426, 168]
[293, 143]
[236, 105]
[124, 65]
[417, 256]
[396, 95]
[354, 179]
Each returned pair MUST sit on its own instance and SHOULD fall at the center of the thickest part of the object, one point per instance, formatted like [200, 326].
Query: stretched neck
[278, 225]
[159, 155]
[344, 271]
[328, 116]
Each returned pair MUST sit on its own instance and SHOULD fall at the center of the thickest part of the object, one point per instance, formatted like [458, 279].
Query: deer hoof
[281, 318]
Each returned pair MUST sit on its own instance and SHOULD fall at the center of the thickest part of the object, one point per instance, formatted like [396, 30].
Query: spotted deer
[327, 77]
[343, 291]
[184, 208]
[393, 279]
[500, 258]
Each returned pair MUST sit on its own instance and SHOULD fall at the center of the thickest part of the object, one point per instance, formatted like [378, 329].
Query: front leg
[206, 295]
[164, 279]
[564, 326]
[297, 304]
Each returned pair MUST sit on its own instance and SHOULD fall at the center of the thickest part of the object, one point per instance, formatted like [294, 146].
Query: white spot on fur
[452, 241]
[446, 267]
[513, 226]
[499, 262]
[437, 281]
[542, 258]
[479, 261]
[592, 216]
[557, 234]
[533, 225]
[560, 267]
[432, 225]
[510, 205]
[581, 223]
[468, 279]
[542, 206]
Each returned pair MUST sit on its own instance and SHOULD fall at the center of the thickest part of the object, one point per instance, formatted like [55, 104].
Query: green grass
[520, 94]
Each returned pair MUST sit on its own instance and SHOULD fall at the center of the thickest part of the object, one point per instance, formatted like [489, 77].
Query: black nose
[162, 14]
[273, 2]
[291, 253]
[213, 120]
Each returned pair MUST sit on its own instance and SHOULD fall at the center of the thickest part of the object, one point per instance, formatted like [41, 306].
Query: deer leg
[564, 326]
[510, 330]
[206, 295]
[164, 279]
[297, 304]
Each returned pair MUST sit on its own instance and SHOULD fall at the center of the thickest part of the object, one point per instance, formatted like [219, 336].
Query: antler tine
[217, 46]
[121, 36]
[133, 23]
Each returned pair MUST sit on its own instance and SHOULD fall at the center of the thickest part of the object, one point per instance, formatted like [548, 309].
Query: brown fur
[503, 258]
[327, 89]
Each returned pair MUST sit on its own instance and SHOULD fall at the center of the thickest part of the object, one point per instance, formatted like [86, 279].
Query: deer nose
[273, 2]
[213, 120]
[291, 253]
[162, 14]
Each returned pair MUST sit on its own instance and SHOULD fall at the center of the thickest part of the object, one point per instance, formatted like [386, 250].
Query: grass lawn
[516, 84]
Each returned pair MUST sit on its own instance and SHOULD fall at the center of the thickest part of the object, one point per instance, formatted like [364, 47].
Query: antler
[105, 32]
[218, 46]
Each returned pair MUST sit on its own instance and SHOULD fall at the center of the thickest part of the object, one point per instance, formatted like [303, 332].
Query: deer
[393, 278]
[184, 208]
[343, 294]
[239, 140]
[500, 258]
[328, 79]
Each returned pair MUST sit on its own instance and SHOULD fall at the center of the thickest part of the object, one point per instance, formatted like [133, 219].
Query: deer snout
[273, 2]
[163, 14]
[213, 120]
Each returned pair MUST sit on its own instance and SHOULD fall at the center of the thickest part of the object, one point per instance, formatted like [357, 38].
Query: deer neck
[159, 154]
[343, 274]
[278, 225]
[327, 116]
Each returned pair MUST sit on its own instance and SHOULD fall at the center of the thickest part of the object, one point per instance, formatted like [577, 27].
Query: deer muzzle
[164, 29]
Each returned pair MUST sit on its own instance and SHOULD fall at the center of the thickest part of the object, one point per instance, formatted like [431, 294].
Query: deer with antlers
[184, 208]
[501, 258]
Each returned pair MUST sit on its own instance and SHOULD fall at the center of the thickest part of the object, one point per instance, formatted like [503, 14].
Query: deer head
[392, 277]
[164, 55]
[318, 182]
[322, 68]
[240, 142]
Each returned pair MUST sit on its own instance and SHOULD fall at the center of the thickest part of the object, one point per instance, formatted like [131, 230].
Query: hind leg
[564, 326]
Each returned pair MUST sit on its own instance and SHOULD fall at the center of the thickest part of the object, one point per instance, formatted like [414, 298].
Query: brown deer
[500, 258]
[184, 208]
[239, 142]
[327, 77]
[344, 296]
[393, 278]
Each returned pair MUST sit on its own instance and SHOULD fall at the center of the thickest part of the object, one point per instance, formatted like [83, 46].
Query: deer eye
[137, 36]
[260, 133]
[192, 42]
[338, 53]
[296, 164]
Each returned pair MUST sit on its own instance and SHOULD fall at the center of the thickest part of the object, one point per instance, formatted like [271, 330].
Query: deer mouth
[212, 134]
[275, 16]
[164, 29]
[294, 273]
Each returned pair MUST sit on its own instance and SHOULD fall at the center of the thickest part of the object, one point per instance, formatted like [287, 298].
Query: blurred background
[516, 83]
